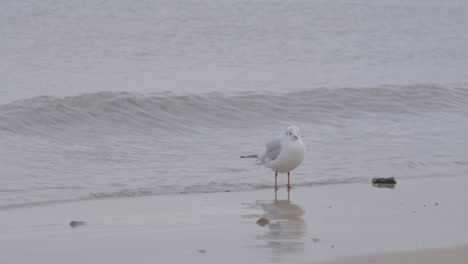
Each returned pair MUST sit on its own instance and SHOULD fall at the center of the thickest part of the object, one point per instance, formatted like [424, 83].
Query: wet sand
[435, 256]
[416, 220]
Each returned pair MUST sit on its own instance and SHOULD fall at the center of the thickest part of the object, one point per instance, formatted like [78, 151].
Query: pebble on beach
[388, 183]
[390, 180]
[263, 221]
[77, 223]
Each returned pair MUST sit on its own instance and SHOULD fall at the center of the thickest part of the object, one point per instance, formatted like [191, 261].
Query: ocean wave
[105, 113]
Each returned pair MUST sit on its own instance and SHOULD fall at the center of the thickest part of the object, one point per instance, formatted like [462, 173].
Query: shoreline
[326, 223]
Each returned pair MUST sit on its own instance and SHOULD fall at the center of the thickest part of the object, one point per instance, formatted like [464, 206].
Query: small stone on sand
[390, 180]
[77, 223]
[263, 221]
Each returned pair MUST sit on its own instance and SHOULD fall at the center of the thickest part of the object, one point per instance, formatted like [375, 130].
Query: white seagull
[282, 154]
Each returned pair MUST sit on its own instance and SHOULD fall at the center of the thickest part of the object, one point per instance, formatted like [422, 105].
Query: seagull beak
[296, 138]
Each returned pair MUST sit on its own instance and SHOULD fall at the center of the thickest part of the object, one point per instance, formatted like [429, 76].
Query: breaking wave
[105, 113]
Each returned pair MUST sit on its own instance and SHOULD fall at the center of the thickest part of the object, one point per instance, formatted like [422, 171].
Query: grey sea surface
[155, 97]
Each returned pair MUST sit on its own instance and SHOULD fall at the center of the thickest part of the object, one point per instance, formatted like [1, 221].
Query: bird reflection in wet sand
[286, 230]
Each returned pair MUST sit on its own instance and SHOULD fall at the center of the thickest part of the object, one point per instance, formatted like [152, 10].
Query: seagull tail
[250, 156]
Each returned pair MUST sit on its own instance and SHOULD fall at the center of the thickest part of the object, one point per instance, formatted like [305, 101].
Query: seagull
[282, 154]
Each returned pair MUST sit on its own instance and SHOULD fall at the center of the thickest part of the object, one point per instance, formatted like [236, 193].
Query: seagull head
[293, 133]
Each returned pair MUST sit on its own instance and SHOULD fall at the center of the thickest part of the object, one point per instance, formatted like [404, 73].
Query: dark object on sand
[263, 221]
[390, 180]
[77, 223]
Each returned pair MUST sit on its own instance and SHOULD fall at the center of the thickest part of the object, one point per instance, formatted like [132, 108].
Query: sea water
[156, 97]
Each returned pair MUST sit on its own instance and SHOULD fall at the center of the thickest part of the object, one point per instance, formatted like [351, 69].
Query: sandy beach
[416, 221]
[434, 256]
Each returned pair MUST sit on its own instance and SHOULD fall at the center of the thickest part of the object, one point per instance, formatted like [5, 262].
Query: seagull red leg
[289, 185]
[276, 180]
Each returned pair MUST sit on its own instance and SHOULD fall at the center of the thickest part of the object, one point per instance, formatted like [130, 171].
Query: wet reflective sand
[306, 225]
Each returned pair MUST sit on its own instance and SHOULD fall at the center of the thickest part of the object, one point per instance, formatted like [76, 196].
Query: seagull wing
[273, 149]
